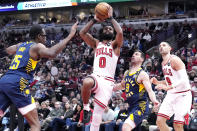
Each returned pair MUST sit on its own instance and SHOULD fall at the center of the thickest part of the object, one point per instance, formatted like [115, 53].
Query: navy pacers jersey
[137, 97]
[14, 85]
[23, 64]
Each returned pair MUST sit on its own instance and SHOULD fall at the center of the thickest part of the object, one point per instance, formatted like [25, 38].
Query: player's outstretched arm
[88, 38]
[144, 78]
[52, 52]
[119, 33]
[119, 86]
[156, 82]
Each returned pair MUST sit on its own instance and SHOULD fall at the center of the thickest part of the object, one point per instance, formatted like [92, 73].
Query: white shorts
[178, 104]
[103, 89]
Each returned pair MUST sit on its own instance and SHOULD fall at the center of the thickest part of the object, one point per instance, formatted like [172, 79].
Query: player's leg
[178, 127]
[103, 92]
[128, 125]
[133, 120]
[88, 85]
[161, 123]
[137, 114]
[4, 103]
[30, 113]
[32, 118]
[23, 100]
[182, 108]
[97, 117]
[165, 112]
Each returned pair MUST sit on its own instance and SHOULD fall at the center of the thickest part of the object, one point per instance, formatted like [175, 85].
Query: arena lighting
[81, 15]
[189, 35]
[44, 4]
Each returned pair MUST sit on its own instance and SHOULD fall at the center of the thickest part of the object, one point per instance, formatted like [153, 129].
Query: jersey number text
[15, 62]
[102, 62]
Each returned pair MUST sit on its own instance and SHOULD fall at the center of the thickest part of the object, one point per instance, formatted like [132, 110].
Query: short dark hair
[167, 43]
[34, 31]
[142, 54]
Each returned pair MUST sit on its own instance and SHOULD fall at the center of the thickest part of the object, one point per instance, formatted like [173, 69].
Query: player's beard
[107, 36]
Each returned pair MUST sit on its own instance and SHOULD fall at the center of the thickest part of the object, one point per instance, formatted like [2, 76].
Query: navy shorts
[14, 89]
[138, 112]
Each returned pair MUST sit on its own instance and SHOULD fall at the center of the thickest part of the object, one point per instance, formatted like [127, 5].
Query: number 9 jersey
[105, 60]
[172, 77]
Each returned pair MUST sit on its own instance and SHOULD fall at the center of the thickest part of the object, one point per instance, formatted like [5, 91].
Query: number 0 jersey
[172, 77]
[23, 64]
[105, 60]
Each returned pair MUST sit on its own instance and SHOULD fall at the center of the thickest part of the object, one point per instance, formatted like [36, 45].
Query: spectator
[194, 49]
[58, 123]
[40, 93]
[71, 122]
[107, 118]
[193, 122]
[43, 111]
[57, 112]
[83, 123]
[64, 100]
[147, 36]
[122, 116]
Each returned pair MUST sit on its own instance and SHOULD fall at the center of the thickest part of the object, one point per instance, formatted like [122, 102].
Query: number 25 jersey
[22, 64]
[105, 60]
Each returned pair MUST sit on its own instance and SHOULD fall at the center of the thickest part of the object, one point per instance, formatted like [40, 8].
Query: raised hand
[156, 106]
[162, 87]
[110, 12]
[98, 19]
[73, 29]
[154, 80]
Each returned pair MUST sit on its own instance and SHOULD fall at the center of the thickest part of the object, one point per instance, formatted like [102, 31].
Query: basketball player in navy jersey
[138, 87]
[14, 85]
[101, 80]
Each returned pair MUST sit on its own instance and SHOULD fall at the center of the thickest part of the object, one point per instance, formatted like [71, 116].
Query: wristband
[94, 20]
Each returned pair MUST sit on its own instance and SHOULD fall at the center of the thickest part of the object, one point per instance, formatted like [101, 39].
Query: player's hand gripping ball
[103, 11]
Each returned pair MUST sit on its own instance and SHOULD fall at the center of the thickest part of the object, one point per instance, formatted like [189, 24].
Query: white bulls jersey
[172, 77]
[105, 60]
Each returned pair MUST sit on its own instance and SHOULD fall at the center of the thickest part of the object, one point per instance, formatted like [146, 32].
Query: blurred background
[145, 24]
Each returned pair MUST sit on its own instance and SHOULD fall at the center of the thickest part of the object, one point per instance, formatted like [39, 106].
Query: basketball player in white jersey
[178, 99]
[106, 56]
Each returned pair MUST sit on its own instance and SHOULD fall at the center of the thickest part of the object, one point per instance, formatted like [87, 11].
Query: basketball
[101, 10]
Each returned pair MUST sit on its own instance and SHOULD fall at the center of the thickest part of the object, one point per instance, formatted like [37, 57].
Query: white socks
[97, 117]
